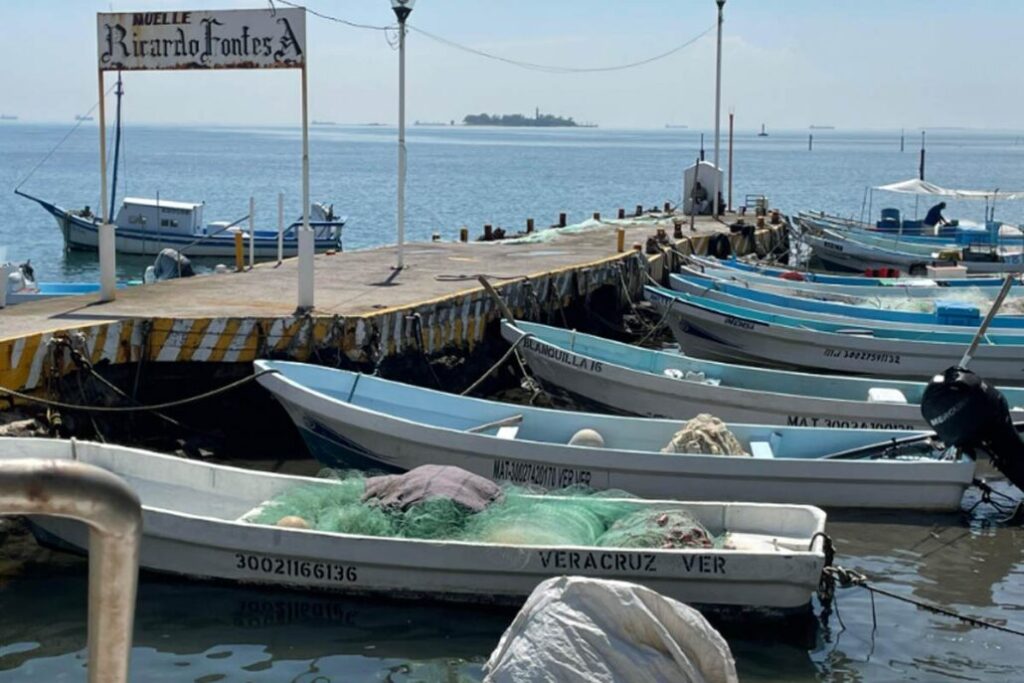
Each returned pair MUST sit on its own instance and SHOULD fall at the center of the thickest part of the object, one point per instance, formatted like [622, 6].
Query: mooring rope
[490, 371]
[142, 408]
[78, 122]
[848, 577]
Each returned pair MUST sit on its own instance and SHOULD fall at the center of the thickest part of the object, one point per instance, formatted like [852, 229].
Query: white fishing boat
[146, 226]
[719, 331]
[640, 381]
[195, 524]
[732, 264]
[898, 288]
[843, 251]
[348, 419]
[946, 315]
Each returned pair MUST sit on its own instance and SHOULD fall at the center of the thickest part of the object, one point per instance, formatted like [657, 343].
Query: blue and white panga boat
[734, 263]
[146, 226]
[634, 380]
[348, 419]
[951, 315]
[198, 522]
[722, 331]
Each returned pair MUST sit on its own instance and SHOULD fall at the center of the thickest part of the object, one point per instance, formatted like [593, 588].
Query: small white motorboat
[348, 419]
[195, 524]
[640, 381]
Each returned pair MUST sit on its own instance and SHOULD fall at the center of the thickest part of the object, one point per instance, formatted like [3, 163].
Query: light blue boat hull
[399, 426]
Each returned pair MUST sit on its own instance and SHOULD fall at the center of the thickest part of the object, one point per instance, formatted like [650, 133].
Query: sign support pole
[108, 281]
[306, 265]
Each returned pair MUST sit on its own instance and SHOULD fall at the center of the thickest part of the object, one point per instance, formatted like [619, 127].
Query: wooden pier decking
[364, 308]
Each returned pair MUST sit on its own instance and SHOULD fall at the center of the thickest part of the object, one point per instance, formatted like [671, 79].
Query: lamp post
[718, 107]
[402, 10]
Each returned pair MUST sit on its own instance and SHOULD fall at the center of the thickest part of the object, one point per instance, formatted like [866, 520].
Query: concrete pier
[365, 310]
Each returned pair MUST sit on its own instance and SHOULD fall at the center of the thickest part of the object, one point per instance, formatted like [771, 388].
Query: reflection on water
[201, 631]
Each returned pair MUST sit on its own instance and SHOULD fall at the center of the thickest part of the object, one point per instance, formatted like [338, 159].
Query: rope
[328, 17]
[1010, 509]
[846, 578]
[656, 328]
[417, 324]
[476, 276]
[49, 154]
[141, 408]
[512, 349]
[549, 68]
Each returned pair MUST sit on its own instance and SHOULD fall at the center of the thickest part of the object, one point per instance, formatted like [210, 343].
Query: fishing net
[568, 517]
[575, 516]
[705, 434]
[667, 528]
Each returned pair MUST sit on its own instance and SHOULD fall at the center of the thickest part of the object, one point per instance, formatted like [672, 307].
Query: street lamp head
[721, 3]
[403, 8]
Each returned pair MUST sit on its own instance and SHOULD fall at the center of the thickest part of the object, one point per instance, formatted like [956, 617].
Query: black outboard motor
[966, 412]
[171, 264]
[28, 271]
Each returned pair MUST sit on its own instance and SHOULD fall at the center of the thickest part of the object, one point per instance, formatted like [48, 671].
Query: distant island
[8, 117]
[814, 127]
[538, 121]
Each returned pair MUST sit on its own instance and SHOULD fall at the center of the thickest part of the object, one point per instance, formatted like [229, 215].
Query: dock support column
[306, 242]
[108, 253]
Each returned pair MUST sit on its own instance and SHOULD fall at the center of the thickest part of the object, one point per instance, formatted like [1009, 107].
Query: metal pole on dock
[280, 227]
[108, 258]
[402, 9]
[718, 110]
[252, 232]
[728, 200]
[306, 265]
[920, 170]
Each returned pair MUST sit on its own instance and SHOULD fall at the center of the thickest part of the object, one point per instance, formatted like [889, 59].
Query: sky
[786, 63]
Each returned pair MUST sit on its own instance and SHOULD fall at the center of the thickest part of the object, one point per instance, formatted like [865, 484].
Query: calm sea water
[463, 176]
[197, 632]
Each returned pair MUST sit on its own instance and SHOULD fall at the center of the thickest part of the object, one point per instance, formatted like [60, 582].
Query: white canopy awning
[916, 186]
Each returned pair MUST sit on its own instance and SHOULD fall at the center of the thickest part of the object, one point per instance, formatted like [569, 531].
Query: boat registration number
[869, 356]
[303, 569]
[539, 474]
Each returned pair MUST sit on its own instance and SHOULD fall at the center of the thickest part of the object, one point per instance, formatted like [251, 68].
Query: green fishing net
[521, 516]
[666, 528]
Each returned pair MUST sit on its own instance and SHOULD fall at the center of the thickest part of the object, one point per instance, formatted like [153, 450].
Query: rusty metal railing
[112, 511]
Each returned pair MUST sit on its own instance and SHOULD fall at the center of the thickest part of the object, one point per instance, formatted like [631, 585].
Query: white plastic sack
[581, 630]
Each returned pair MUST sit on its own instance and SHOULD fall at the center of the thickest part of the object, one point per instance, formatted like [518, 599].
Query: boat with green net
[216, 522]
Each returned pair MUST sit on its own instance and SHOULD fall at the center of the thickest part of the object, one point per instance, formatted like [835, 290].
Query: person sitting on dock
[700, 199]
[934, 219]
[86, 212]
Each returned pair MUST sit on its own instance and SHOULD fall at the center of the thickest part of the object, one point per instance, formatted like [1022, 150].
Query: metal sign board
[220, 39]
